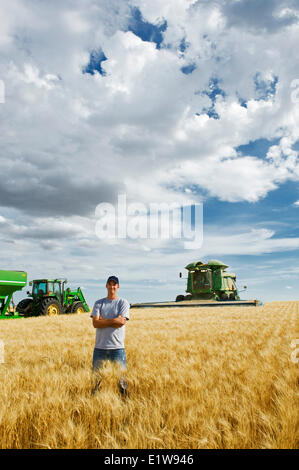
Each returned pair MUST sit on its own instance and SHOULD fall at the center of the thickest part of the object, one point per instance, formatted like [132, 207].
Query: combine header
[208, 285]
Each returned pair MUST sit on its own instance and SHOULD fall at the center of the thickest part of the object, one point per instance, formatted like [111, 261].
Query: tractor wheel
[179, 298]
[232, 297]
[224, 296]
[77, 308]
[24, 307]
[50, 307]
[188, 297]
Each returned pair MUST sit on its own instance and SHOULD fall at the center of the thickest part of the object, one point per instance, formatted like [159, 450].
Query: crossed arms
[99, 322]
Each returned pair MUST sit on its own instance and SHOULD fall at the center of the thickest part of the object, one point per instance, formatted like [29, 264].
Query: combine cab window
[40, 288]
[202, 280]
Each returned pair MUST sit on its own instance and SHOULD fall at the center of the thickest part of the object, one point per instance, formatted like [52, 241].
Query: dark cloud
[260, 14]
[46, 233]
[57, 196]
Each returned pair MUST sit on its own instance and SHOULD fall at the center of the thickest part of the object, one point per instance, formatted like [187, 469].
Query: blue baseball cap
[113, 278]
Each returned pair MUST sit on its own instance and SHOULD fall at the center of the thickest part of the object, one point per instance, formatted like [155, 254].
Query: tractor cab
[48, 288]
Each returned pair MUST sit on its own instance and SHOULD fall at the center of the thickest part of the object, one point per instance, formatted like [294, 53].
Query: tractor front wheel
[180, 298]
[77, 308]
[50, 307]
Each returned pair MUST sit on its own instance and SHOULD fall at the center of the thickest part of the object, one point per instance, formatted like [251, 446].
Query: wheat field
[198, 378]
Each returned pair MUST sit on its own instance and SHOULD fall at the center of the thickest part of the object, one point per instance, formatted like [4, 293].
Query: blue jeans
[101, 355]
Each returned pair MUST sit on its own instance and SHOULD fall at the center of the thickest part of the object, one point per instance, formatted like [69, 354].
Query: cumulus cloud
[144, 110]
[70, 140]
[250, 242]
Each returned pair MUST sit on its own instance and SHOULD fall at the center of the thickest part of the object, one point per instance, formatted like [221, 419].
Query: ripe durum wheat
[198, 378]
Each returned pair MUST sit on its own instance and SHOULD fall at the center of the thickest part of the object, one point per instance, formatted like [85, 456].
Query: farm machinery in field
[10, 282]
[50, 297]
[208, 285]
[209, 281]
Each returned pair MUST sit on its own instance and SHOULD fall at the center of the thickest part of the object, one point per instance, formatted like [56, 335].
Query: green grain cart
[10, 282]
[50, 297]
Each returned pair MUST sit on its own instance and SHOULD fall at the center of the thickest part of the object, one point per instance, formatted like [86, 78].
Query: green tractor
[50, 297]
[209, 281]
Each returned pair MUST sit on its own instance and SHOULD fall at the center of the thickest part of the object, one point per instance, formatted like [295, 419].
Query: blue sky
[269, 276]
[162, 102]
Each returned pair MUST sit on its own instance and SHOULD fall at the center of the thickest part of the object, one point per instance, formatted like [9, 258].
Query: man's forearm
[103, 322]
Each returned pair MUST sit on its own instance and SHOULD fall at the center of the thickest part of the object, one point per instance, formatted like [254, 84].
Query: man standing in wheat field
[109, 316]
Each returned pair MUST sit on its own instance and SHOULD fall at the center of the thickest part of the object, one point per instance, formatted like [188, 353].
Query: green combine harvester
[208, 285]
[10, 282]
[50, 297]
[209, 281]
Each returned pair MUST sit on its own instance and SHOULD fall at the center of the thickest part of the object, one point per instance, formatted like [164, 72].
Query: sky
[164, 102]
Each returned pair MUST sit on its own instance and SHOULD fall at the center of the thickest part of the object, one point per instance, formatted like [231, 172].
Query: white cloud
[143, 111]
[250, 242]
[76, 22]
[31, 75]
[71, 140]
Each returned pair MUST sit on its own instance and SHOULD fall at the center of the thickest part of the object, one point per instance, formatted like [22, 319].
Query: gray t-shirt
[109, 337]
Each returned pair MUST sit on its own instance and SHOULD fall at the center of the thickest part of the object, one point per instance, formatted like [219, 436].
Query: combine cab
[49, 297]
